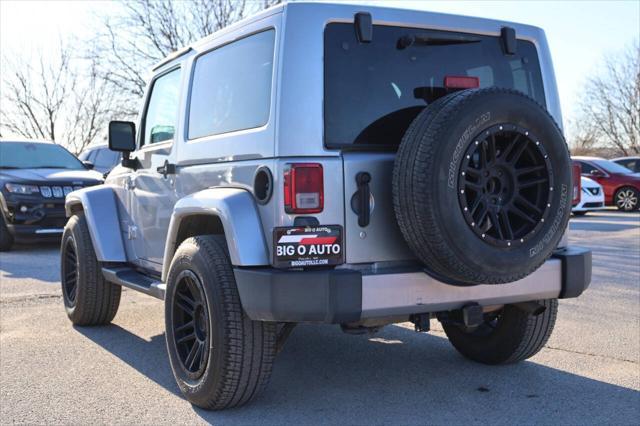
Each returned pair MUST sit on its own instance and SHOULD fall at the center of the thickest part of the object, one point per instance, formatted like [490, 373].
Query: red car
[621, 185]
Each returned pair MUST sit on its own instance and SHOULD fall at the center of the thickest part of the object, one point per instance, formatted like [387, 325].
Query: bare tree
[53, 99]
[610, 109]
[584, 136]
[34, 94]
[89, 112]
[70, 100]
[143, 32]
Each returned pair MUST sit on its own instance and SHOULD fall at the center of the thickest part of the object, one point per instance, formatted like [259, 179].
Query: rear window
[374, 90]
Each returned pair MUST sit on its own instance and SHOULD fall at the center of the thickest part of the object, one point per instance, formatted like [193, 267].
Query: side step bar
[128, 277]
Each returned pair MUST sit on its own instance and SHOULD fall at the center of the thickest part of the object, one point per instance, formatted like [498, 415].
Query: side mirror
[122, 138]
[88, 165]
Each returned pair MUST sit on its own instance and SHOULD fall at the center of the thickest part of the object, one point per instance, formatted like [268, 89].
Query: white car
[591, 197]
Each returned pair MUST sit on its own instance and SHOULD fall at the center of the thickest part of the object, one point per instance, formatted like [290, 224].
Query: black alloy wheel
[191, 331]
[70, 271]
[505, 185]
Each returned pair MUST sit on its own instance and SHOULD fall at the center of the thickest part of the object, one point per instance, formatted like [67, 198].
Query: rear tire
[6, 239]
[220, 358]
[88, 298]
[627, 199]
[513, 336]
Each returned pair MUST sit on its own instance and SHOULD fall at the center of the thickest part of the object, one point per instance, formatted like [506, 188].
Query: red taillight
[577, 185]
[455, 82]
[303, 188]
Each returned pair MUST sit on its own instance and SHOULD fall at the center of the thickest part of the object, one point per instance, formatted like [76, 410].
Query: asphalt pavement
[589, 372]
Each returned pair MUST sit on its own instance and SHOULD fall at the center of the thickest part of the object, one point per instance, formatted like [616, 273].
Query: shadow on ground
[393, 377]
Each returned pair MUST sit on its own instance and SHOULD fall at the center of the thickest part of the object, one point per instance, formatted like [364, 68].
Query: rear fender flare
[237, 211]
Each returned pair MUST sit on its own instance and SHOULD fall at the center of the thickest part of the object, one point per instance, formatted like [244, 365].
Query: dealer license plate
[307, 246]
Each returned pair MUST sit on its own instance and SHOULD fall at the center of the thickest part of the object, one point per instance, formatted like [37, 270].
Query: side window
[106, 158]
[231, 87]
[162, 110]
[586, 168]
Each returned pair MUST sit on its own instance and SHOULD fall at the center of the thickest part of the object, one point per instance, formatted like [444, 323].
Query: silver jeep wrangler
[339, 164]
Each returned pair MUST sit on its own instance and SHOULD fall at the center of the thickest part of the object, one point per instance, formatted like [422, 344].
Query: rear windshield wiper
[433, 40]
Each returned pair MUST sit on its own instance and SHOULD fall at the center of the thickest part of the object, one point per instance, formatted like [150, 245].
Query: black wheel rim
[70, 271]
[191, 330]
[505, 185]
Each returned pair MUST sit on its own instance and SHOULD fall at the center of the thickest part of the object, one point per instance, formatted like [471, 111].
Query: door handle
[167, 169]
[364, 196]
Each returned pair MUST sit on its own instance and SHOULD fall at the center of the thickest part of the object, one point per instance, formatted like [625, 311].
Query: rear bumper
[338, 296]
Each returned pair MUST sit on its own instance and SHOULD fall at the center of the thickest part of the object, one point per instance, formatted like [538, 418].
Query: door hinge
[132, 232]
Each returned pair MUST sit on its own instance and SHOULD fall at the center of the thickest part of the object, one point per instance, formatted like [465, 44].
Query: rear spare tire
[481, 187]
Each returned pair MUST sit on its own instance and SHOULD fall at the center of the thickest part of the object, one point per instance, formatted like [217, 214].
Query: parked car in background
[631, 163]
[35, 178]
[621, 185]
[591, 197]
[100, 158]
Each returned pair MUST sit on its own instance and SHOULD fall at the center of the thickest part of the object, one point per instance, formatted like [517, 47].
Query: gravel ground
[51, 372]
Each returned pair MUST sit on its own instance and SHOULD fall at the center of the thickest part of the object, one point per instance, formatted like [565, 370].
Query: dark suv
[35, 178]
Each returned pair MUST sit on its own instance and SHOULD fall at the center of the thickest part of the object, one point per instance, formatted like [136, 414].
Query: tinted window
[632, 165]
[611, 167]
[24, 155]
[585, 168]
[231, 87]
[162, 110]
[374, 90]
[106, 158]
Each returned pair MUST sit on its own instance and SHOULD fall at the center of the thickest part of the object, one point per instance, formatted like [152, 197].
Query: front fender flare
[101, 211]
[236, 209]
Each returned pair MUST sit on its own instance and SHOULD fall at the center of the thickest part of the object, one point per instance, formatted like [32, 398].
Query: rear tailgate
[381, 239]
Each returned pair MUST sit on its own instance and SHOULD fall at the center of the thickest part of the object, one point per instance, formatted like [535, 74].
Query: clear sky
[580, 33]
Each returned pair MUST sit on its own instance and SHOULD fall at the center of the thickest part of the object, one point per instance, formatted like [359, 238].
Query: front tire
[88, 298]
[220, 358]
[507, 336]
[6, 239]
[626, 199]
